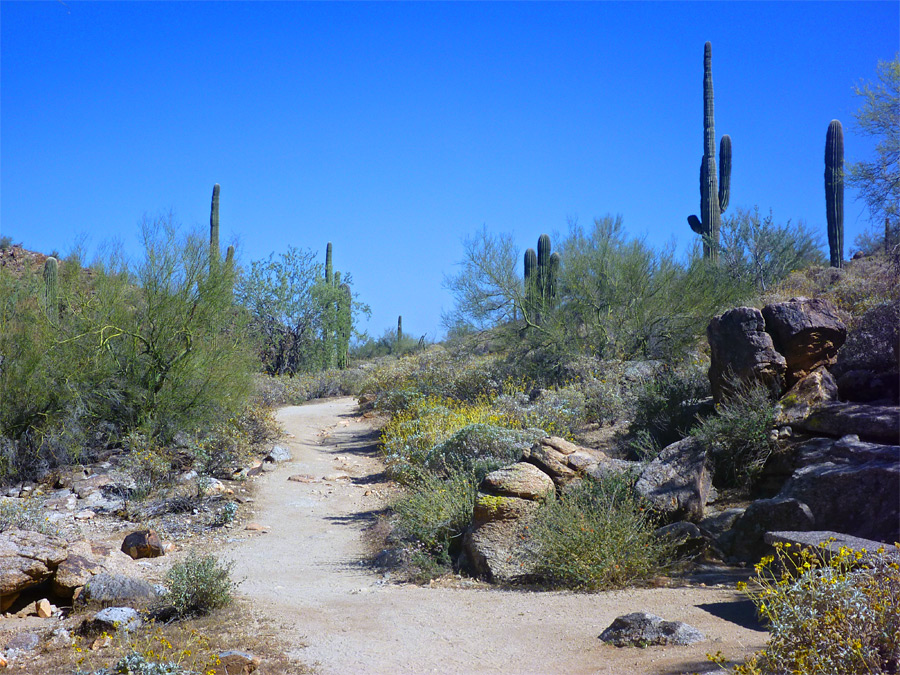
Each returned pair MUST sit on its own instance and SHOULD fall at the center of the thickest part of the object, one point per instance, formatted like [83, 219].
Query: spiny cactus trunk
[710, 215]
[399, 328]
[51, 289]
[214, 252]
[531, 283]
[329, 278]
[714, 195]
[345, 325]
[834, 191]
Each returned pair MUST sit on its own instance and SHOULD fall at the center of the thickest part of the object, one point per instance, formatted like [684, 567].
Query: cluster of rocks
[837, 472]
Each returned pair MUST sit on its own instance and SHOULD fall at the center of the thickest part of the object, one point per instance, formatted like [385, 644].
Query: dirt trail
[344, 618]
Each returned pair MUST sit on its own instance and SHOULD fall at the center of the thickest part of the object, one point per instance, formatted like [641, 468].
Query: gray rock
[814, 389]
[678, 482]
[807, 332]
[687, 538]
[118, 618]
[24, 642]
[877, 423]
[745, 541]
[855, 491]
[112, 589]
[642, 629]
[498, 550]
[548, 458]
[868, 365]
[614, 467]
[821, 541]
[278, 454]
[741, 348]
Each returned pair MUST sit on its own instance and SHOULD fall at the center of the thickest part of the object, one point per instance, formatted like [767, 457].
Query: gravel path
[343, 618]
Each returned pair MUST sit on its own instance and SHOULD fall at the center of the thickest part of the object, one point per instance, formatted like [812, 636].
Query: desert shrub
[148, 464]
[23, 514]
[827, 613]
[558, 411]
[597, 535]
[479, 449]
[666, 406]
[431, 519]
[760, 253]
[199, 584]
[257, 423]
[739, 437]
[411, 434]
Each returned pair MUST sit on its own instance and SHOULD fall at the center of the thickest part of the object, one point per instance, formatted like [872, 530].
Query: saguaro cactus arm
[214, 252]
[724, 172]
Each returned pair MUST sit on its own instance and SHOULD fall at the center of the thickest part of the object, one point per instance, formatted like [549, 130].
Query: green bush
[739, 437]
[598, 535]
[431, 518]
[666, 406]
[199, 584]
[480, 449]
[827, 613]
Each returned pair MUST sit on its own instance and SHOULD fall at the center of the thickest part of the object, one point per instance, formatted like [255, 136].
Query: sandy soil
[309, 569]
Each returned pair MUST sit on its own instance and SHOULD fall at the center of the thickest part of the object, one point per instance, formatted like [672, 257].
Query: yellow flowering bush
[828, 612]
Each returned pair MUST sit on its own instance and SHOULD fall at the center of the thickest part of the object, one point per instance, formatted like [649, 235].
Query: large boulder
[496, 545]
[550, 458]
[868, 365]
[114, 589]
[827, 544]
[851, 487]
[26, 559]
[678, 482]
[807, 332]
[73, 573]
[740, 348]
[642, 629]
[877, 423]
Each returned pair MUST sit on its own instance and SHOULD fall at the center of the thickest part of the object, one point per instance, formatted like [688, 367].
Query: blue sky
[396, 129]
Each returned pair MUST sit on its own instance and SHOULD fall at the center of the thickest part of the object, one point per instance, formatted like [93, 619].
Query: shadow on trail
[740, 612]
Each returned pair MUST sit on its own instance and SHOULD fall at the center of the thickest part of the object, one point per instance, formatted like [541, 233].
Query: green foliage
[155, 348]
[665, 407]
[292, 312]
[431, 518]
[827, 612]
[834, 191]
[23, 514]
[597, 535]
[878, 180]
[479, 449]
[758, 253]
[629, 301]
[739, 436]
[199, 584]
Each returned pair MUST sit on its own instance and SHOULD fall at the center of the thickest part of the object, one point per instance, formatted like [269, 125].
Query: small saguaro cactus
[543, 261]
[329, 277]
[713, 197]
[552, 276]
[834, 191]
[541, 271]
[214, 252]
[399, 328]
[51, 288]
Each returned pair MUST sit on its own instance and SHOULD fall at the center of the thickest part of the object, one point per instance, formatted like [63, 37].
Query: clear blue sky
[396, 129]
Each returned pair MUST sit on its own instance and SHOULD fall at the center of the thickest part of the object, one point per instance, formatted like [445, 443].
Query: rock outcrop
[26, 559]
[740, 348]
[807, 332]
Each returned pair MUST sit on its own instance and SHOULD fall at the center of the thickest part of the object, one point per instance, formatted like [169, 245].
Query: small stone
[44, 608]
[87, 514]
[642, 629]
[256, 527]
[278, 454]
[237, 663]
[303, 478]
[118, 618]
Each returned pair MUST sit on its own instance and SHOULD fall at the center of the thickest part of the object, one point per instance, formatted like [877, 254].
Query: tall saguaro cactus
[399, 328]
[834, 191]
[345, 325]
[714, 194]
[214, 251]
[531, 278]
[51, 288]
